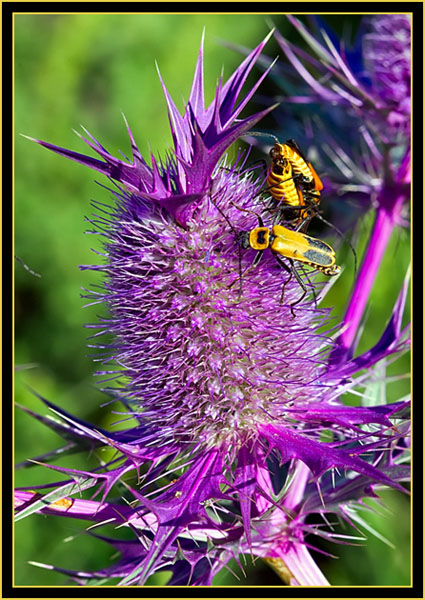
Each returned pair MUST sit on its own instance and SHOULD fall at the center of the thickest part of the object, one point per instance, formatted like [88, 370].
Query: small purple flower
[241, 432]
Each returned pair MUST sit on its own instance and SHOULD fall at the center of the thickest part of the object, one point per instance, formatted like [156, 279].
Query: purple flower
[386, 53]
[240, 429]
[378, 90]
[360, 135]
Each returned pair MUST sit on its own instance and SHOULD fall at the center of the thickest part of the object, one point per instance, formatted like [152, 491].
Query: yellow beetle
[292, 245]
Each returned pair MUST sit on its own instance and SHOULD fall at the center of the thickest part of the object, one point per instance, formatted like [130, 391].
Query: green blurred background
[87, 69]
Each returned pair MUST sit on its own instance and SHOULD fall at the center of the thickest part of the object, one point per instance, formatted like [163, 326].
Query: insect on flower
[284, 191]
[295, 187]
[292, 181]
[287, 243]
[303, 171]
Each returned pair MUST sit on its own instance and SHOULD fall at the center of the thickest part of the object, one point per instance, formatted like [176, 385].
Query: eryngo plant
[240, 430]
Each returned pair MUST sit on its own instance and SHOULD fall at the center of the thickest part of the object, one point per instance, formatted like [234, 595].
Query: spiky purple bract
[200, 136]
[231, 394]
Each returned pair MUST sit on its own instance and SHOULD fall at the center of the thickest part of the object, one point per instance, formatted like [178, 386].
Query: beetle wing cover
[318, 185]
[301, 247]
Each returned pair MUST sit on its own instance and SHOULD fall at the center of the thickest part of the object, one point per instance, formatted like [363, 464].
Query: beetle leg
[288, 270]
[312, 285]
[257, 258]
[291, 271]
[301, 282]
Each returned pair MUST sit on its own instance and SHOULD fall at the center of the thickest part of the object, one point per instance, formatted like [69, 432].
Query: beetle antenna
[261, 134]
[339, 232]
[252, 212]
[223, 215]
[237, 237]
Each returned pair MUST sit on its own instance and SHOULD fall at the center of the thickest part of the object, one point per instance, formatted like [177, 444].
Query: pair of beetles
[295, 189]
